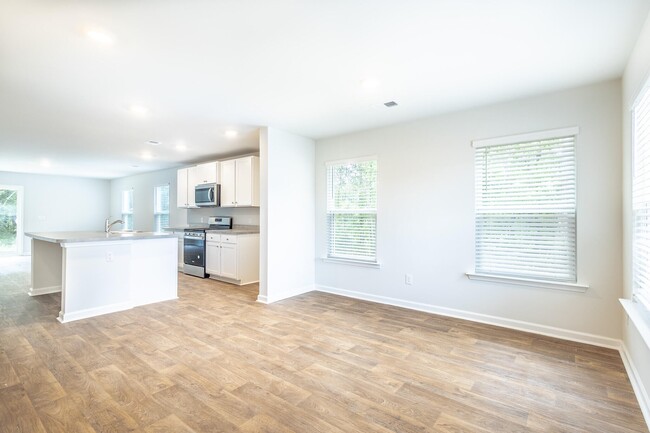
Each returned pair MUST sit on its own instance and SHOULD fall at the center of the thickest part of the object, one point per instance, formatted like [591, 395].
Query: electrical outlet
[408, 279]
[109, 256]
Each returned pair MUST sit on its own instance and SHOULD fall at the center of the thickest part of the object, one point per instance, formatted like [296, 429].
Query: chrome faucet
[108, 226]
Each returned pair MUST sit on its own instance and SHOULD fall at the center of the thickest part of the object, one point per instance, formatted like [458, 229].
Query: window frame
[640, 297]
[156, 214]
[128, 212]
[574, 286]
[373, 263]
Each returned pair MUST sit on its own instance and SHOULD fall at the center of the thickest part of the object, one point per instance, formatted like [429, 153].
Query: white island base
[97, 276]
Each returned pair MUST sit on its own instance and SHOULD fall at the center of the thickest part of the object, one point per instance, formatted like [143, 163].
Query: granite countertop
[188, 226]
[236, 229]
[70, 237]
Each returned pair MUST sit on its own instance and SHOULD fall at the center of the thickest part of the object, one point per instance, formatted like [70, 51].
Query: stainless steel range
[194, 245]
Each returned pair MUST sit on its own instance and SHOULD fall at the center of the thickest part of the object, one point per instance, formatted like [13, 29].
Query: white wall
[286, 215]
[60, 203]
[636, 74]
[426, 213]
[143, 197]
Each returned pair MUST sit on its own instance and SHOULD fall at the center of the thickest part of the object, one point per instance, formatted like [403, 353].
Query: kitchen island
[99, 273]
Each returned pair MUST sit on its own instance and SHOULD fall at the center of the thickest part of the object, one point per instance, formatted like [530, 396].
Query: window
[11, 219]
[526, 206]
[641, 200]
[127, 209]
[352, 210]
[161, 207]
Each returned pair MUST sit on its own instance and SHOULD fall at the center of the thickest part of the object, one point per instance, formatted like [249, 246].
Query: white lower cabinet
[229, 260]
[213, 258]
[233, 258]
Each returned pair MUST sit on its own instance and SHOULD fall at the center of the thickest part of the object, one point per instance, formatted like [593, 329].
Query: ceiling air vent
[390, 104]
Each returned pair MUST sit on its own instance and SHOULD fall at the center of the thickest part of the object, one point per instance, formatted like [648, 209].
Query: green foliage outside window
[352, 210]
[8, 208]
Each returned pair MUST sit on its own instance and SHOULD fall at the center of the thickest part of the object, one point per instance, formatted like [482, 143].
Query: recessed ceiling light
[45, 163]
[390, 104]
[231, 133]
[146, 155]
[181, 147]
[370, 83]
[135, 166]
[154, 143]
[138, 110]
[100, 36]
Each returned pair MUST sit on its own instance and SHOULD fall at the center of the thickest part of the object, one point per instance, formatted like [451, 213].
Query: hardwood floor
[217, 361]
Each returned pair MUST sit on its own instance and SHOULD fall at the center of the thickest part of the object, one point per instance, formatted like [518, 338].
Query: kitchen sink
[125, 232]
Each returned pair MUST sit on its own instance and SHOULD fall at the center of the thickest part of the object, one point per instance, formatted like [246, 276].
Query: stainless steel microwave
[208, 194]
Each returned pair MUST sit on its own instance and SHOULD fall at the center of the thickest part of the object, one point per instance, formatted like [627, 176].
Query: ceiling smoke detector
[390, 104]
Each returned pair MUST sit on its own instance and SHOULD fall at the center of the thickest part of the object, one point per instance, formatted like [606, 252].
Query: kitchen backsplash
[240, 215]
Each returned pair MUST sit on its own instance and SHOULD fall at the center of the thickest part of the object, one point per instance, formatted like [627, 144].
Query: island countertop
[99, 273]
[97, 236]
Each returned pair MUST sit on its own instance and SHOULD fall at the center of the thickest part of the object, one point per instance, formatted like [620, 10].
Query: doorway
[11, 220]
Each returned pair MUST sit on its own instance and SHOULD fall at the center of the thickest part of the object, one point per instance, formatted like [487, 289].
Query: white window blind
[352, 210]
[161, 207]
[127, 209]
[526, 207]
[641, 200]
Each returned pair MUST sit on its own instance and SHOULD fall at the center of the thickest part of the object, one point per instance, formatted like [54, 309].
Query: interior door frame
[20, 230]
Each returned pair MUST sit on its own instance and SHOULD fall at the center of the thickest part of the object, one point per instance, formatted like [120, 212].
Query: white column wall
[286, 215]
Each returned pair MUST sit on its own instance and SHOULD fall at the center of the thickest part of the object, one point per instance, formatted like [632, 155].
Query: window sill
[360, 263]
[639, 318]
[580, 288]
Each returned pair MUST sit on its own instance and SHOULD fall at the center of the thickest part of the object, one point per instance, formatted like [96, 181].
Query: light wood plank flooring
[217, 361]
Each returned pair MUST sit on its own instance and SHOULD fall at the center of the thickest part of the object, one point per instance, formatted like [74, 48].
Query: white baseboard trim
[285, 294]
[153, 301]
[92, 312]
[43, 290]
[637, 385]
[549, 331]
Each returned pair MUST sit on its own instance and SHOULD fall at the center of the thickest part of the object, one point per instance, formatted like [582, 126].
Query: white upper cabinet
[206, 173]
[185, 181]
[190, 177]
[228, 183]
[239, 179]
[240, 182]
[181, 187]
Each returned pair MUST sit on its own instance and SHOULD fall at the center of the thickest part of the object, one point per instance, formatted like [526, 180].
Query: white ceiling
[204, 66]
